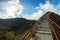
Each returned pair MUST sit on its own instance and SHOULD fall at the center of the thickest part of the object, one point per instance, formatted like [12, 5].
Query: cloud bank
[11, 9]
[43, 8]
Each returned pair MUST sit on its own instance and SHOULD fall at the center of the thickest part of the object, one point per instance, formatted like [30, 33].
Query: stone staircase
[43, 31]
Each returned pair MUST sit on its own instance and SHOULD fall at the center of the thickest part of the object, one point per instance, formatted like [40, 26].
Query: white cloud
[16, 1]
[37, 15]
[12, 9]
[47, 6]
[34, 16]
[43, 8]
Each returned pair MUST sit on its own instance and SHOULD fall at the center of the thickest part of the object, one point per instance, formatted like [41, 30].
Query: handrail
[55, 23]
[30, 30]
[25, 34]
[52, 29]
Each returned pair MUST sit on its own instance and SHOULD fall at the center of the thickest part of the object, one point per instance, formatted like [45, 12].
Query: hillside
[14, 27]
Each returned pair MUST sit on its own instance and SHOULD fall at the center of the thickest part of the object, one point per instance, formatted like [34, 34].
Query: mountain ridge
[16, 23]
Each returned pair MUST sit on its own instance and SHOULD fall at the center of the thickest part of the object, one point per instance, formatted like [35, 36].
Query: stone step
[47, 32]
[45, 25]
[43, 37]
[43, 33]
[43, 29]
[38, 34]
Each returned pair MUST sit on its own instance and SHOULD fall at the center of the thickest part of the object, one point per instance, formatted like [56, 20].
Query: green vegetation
[29, 34]
[8, 36]
[13, 29]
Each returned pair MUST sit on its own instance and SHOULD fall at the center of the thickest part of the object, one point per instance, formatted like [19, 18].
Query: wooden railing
[26, 35]
[55, 23]
[54, 29]
[29, 33]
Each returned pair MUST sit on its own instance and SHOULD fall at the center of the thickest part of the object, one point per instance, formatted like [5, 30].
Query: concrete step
[43, 29]
[38, 34]
[44, 32]
[45, 25]
[43, 37]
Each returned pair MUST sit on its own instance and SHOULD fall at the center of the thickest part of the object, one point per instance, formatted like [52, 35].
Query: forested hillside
[12, 29]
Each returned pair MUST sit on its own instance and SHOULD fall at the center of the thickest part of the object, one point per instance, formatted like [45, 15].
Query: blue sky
[29, 9]
[31, 4]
